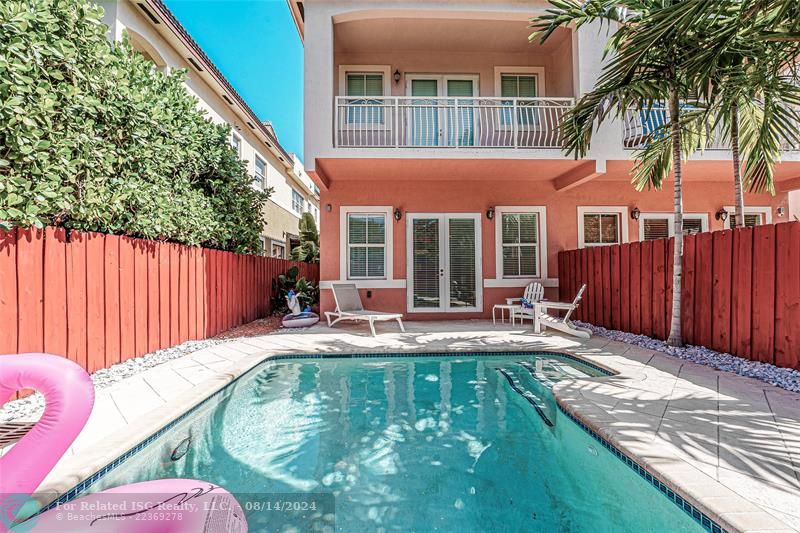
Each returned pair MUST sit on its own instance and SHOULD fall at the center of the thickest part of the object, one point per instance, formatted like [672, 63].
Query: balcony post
[514, 122]
[457, 129]
[336, 122]
[396, 122]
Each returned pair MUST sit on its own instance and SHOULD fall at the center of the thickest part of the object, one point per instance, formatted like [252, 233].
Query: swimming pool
[465, 442]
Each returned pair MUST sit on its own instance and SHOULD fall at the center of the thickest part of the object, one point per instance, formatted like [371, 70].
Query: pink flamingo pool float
[160, 506]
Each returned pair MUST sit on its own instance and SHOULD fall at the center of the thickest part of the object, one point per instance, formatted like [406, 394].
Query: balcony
[446, 122]
[640, 124]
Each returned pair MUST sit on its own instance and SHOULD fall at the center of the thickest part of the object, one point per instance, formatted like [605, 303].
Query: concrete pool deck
[729, 444]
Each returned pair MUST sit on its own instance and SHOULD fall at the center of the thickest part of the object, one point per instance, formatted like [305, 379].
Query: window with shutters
[693, 225]
[523, 88]
[656, 228]
[366, 110]
[520, 233]
[366, 246]
[261, 172]
[601, 229]
[462, 260]
[750, 220]
[662, 225]
[753, 216]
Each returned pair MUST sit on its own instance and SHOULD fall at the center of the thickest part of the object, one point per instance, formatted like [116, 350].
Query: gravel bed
[31, 407]
[785, 378]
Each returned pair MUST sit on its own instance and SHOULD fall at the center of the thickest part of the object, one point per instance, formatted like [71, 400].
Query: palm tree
[644, 69]
[748, 86]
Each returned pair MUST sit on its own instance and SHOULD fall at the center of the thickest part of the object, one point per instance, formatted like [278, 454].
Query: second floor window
[261, 172]
[366, 110]
[297, 202]
[522, 87]
[236, 142]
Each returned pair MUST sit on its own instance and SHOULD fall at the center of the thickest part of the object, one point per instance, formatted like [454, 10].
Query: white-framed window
[366, 245]
[297, 201]
[370, 82]
[236, 142]
[523, 84]
[520, 233]
[602, 225]
[278, 249]
[385, 214]
[662, 225]
[753, 216]
[263, 244]
[260, 172]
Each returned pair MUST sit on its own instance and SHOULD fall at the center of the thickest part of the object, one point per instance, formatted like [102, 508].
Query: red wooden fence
[101, 299]
[740, 293]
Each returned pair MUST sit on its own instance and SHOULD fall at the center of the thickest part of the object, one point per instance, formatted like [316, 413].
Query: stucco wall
[427, 196]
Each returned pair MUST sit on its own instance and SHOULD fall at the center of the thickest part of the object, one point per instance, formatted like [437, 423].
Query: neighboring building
[431, 129]
[156, 33]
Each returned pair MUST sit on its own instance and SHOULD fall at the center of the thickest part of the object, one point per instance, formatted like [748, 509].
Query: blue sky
[256, 46]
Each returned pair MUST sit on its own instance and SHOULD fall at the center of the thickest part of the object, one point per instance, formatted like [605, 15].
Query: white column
[588, 44]
[319, 81]
[794, 205]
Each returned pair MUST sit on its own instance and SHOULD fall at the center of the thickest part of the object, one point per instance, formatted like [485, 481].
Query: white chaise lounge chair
[563, 324]
[348, 307]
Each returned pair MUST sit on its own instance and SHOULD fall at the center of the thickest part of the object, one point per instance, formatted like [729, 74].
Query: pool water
[460, 443]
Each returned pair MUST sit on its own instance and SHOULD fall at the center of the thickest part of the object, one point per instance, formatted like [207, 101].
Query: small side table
[503, 308]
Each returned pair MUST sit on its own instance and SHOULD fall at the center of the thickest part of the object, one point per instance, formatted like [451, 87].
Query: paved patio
[730, 444]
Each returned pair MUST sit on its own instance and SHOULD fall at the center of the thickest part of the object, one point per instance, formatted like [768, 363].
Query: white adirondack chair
[534, 292]
[563, 324]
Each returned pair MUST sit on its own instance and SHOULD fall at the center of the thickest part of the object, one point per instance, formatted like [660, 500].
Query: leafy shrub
[93, 137]
[307, 292]
[308, 250]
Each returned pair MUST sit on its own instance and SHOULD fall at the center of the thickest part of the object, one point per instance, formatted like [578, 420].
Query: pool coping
[73, 477]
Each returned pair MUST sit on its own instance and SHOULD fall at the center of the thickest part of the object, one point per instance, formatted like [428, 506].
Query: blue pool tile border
[698, 516]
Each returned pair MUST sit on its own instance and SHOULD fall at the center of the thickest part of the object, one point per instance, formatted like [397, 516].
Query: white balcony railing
[445, 122]
[640, 124]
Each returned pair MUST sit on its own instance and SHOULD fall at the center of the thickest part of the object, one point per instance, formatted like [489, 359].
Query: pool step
[530, 397]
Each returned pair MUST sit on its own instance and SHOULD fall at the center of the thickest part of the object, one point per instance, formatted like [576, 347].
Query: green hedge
[93, 137]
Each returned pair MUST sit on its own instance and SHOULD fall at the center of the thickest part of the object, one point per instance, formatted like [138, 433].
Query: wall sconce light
[635, 214]
[781, 211]
[398, 214]
[490, 213]
[328, 207]
[396, 76]
[721, 215]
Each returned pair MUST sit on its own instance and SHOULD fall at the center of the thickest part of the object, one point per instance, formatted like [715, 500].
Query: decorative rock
[31, 407]
[785, 378]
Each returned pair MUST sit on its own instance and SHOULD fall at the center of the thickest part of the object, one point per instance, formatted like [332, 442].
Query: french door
[436, 121]
[444, 262]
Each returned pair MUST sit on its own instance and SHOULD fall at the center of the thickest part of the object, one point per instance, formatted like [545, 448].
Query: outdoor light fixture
[721, 214]
[328, 208]
[398, 214]
[490, 213]
[635, 213]
[781, 211]
[397, 76]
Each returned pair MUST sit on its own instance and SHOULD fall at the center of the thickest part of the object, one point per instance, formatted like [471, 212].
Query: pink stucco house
[431, 131]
